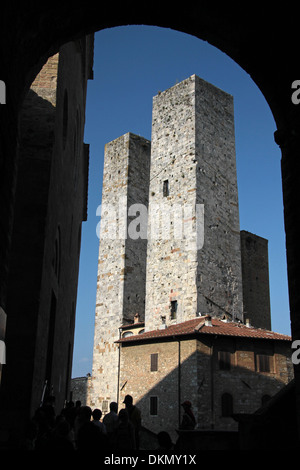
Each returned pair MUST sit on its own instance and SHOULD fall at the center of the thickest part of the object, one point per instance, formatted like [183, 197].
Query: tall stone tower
[122, 258]
[193, 255]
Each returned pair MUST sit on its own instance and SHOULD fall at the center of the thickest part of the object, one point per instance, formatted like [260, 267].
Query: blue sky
[131, 65]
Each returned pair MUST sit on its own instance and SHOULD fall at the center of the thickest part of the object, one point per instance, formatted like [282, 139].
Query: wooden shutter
[154, 362]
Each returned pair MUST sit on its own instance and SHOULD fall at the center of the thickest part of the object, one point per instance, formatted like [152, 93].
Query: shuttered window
[154, 362]
[264, 363]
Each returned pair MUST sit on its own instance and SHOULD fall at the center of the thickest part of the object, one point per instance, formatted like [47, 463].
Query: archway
[119, 103]
[252, 40]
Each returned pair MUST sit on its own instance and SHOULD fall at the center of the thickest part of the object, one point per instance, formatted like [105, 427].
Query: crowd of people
[79, 427]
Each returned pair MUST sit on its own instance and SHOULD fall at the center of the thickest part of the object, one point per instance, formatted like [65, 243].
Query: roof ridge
[218, 327]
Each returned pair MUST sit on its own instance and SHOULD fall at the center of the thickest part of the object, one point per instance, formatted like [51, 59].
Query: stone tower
[255, 271]
[122, 258]
[193, 255]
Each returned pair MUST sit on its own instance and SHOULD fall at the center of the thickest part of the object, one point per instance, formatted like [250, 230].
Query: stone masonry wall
[193, 162]
[189, 370]
[170, 385]
[171, 255]
[121, 266]
[219, 275]
[255, 268]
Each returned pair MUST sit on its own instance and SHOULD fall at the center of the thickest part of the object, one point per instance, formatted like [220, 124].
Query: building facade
[50, 207]
[223, 367]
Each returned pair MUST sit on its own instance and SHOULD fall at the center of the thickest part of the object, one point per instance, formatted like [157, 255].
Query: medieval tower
[122, 260]
[170, 245]
[193, 177]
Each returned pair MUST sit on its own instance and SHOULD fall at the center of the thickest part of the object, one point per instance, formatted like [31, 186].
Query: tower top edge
[194, 78]
[128, 136]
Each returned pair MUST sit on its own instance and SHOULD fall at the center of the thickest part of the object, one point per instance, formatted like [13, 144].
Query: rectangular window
[153, 406]
[166, 188]
[224, 360]
[154, 362]
[173, 309]
[264, 363]
[105, 406]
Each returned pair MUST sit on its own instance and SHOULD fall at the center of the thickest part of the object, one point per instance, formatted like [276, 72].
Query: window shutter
[154, 362]
[264, 363]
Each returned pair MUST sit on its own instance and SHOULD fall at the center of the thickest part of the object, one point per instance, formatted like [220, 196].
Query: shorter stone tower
[255, 271]
[122, 258]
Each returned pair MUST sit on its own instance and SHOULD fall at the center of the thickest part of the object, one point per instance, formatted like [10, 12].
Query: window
[224, 360]
[166, 188]
[126, 334]
[227, 405]
[173, 309]
[105, 406]
[154, 362]
[264, 363]
[153, 406]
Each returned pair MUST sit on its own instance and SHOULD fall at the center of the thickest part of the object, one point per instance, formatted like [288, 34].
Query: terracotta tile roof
[197, 326]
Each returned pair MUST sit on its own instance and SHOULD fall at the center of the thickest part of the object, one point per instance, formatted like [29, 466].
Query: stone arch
[252, 39]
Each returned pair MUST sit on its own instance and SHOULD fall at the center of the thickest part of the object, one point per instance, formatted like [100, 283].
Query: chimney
[163, 325]
[136, 318]
[248, 323]
[208, 321]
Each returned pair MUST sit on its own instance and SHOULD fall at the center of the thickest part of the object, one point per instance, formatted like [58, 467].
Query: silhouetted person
[69, 412]
[188, 418]
[124, 435]
[135, 418]
[110, 420]
[96, 420]
[84, 416]
[91, 438]
[30, 435]
[49, 410]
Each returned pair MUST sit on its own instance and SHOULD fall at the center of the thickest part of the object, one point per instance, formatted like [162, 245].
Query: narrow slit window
[166, 188]
[173, 309]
